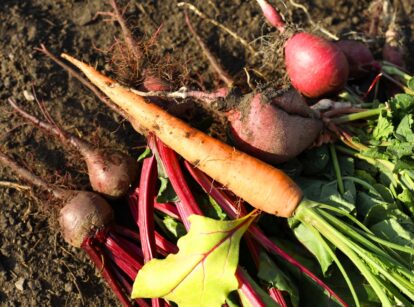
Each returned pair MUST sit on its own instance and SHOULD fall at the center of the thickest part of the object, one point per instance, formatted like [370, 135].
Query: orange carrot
[261, 185]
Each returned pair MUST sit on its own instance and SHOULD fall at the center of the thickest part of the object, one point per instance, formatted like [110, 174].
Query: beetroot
[274, 129]
[359, 57]
[315, 66]
[111, 172]
[82, 212]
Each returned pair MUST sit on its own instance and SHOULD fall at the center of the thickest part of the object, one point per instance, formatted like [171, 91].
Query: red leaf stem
[167, 208]
[97, 257]
[146, 207]
[254, 298]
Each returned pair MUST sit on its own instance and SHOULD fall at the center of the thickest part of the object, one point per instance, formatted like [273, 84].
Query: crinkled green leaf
[402, 104]
[404, 129]
[383, 129]
[202, 273]
[273, 275]
[313, 244]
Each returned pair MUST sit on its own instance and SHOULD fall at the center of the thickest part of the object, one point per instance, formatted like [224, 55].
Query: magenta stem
[97, 258]
[277, 296]
[146, 211]
[167, 208]
[146, 207]
[230, 208]
[187, 205]
[164, 247]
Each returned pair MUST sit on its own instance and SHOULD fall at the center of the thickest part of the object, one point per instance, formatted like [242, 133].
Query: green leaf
[410, 83]
[313, 244]
[147, 153]
[393, 231]
[383, 129]
[166, 192]
[175, 227]
[266, 299]
[273, 275]
[401, 105]
[404, 129]
[203, 271]
[315, 161]
[211, 208]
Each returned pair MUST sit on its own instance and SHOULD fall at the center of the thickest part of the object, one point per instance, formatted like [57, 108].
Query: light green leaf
[202, 273]
[383, 129]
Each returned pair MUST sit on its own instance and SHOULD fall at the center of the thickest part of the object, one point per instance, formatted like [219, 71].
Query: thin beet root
[111, 172]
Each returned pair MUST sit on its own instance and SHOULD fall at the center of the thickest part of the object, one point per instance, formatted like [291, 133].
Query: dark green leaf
[315, 160]
[273, 275]
[266, 299]
[166, 192]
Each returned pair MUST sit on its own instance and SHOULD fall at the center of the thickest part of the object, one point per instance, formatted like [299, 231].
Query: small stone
[68, 287]
[29, 96]
[20, 284]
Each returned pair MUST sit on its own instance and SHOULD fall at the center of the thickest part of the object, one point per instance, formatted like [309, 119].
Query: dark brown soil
[37, 268]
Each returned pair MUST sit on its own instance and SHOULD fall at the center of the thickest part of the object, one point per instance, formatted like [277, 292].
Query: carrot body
[261, 185]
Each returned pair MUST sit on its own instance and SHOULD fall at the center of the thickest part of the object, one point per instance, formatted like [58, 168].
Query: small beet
[82, 214]
[111, 172]
[276, 130]
[316, 67]
[359, 57]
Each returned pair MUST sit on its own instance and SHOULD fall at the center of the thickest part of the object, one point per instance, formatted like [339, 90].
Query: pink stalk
[164, 246]
[146, 207]
[167, 208]
[146, 211]
[97, 258]
[118, 251]
[188, 206]
[231, 209]
[132, 202]
[272, 15]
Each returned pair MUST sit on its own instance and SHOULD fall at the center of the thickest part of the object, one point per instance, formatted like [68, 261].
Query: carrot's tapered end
[91, 73]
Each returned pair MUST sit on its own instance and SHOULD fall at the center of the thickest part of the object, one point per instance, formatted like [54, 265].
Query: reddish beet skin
[359, 57]
[315, 66]
[265, 130]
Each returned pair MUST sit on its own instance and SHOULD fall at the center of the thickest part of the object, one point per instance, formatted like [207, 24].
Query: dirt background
[37, 268]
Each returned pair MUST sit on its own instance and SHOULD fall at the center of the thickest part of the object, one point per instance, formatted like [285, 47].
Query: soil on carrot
[37, 268]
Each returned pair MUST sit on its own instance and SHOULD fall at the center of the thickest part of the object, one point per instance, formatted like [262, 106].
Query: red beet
[82, 212]
[274, 129]
[315, 66]
[111, 172]
[359, 57]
